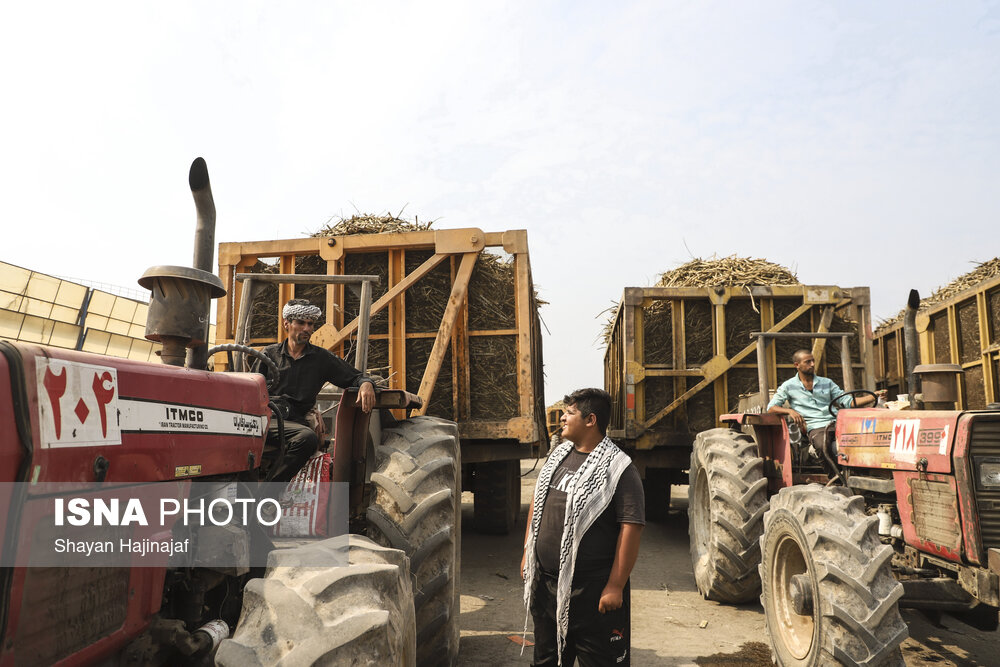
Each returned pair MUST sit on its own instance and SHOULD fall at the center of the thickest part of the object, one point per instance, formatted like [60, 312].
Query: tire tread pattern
[416, 507]
[859, 618]
[357, 614]
[725, 535]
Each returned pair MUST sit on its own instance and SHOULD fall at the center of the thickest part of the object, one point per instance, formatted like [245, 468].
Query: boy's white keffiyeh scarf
[587, 496]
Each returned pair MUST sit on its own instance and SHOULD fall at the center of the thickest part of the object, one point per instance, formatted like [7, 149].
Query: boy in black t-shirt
[582, 541]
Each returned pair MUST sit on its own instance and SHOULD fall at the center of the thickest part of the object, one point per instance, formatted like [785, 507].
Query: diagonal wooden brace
[327, 336]
[459, 292]
[719, 365]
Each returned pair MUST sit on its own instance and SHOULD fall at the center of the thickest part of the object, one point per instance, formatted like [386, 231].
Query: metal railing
[763, 337]
[364, 310]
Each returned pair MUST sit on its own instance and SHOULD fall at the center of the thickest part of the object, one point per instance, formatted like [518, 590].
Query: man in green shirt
[809, 397]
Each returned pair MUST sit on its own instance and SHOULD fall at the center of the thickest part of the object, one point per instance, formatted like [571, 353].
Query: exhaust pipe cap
[210, 280]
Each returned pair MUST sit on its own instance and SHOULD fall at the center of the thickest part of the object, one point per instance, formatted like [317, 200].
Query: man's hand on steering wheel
[835, 406]
[366, 397]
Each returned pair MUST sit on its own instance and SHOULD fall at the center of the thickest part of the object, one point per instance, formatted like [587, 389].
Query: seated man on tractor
[809, 397]
[303, 369]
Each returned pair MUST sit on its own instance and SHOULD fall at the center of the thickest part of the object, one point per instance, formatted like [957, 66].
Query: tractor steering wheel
[271, 374]
[834, 408]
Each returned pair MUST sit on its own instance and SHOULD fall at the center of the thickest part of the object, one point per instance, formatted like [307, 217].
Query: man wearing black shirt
[582, 541]
[303, 369]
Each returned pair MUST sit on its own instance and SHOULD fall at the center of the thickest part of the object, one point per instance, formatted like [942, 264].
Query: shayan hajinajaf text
[121, 546]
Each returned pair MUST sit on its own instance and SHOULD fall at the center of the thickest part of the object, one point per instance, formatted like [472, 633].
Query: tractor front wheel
[350, 604]
[828, 594]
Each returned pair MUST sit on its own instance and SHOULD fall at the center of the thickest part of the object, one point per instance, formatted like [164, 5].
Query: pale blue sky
[855, 142]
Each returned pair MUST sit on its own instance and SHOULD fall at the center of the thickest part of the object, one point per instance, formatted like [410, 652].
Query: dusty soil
[671, 623]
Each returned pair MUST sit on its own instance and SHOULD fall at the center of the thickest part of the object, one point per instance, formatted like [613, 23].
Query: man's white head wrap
[297, 309]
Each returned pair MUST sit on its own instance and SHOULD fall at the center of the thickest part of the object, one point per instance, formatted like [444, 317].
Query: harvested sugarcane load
[454, 319]
[984, 273]
[732, 271]
[264, 308]
[956, 324]
[679, 354]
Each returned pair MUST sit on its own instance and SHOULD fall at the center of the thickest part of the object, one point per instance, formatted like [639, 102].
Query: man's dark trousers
[301, 442]
[594, 639]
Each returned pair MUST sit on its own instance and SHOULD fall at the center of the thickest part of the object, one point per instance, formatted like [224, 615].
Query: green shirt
[814, 406]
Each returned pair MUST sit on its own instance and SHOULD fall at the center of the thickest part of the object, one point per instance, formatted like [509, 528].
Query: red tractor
[902, 508]
[76, 425]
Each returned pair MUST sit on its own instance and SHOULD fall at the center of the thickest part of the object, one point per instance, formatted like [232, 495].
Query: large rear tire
[828, 594]
[727, 498]
[416, 507]
[357, 614]
[496, 496]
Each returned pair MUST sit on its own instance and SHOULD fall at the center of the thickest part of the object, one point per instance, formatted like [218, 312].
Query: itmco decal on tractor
[157, 416]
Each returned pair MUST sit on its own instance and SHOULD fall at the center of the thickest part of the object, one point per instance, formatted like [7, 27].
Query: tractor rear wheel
[360, 613]
[496, 496]
[828, 593]
[727, 498]
[416, 507]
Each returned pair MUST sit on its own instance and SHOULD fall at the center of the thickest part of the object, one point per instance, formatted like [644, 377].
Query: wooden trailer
[963, 330]
[678, 357]
[453, 319]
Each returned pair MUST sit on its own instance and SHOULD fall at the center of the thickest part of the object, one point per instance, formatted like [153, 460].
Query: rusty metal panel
[898, 439]
[935, 513]
[66, 609]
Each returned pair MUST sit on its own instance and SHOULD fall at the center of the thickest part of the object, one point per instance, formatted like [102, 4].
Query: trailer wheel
[496, 496]
[828, 593]
[727, 498]
[360, 613]
[416, 507]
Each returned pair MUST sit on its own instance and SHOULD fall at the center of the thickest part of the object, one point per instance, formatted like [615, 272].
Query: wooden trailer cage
[442, 325]
[963, 330]
[678, 357]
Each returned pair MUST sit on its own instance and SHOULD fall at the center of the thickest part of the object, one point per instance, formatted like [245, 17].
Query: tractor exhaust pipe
[910, 340]
[204, 245]
[181, 299]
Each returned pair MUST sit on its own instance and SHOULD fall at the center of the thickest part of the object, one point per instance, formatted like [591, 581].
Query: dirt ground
[671, 623]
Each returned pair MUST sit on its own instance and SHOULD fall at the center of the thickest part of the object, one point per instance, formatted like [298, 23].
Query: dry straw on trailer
[264, 308]
[658, 326]
[732, 271]
[983, 272]
[729, 271]
[956, 324]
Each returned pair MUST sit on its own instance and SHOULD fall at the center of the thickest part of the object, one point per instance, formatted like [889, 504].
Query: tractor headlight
[989, 473]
